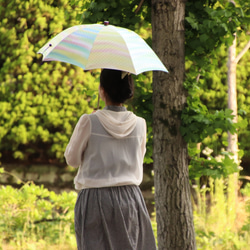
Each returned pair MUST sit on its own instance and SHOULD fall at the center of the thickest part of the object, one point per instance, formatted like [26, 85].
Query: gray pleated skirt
[113, 218]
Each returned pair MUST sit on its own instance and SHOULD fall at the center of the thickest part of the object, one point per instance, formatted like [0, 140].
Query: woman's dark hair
[117, 88]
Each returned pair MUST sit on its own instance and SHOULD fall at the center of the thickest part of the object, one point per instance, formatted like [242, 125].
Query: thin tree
[233, 60]
[232, 92]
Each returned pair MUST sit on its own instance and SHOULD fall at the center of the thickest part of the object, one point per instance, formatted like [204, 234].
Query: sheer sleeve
[78, 142]
[144, 140]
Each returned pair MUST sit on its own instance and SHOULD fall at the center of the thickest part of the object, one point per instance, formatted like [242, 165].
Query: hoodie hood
[118, 124]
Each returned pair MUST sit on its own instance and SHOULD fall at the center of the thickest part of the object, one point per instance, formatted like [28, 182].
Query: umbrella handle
[98, 101]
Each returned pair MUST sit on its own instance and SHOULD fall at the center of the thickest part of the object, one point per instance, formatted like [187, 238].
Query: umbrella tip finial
[106, 23]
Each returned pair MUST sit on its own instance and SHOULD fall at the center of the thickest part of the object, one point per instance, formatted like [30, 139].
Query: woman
[108, 146]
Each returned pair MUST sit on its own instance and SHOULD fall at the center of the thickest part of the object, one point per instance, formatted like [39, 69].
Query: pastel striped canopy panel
[96, 46]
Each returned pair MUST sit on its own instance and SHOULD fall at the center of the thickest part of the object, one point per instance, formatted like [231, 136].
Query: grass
[220, 218]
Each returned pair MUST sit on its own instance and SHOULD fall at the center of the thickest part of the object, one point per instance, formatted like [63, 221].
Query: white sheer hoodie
[108, 147]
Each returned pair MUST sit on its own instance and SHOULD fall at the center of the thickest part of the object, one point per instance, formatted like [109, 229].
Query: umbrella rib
[131, 58]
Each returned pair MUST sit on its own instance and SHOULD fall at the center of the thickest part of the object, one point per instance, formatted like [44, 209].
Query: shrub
[34, 215]
[39, 103]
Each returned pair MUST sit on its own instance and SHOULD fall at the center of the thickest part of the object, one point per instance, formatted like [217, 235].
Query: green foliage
[215, 226]
[206, 65]
[213, 92]
[122, 13]
[206, 120]
[198, 123]
[216, 167]
[246, 192]
[208, 25]
[39, 104]
[35, 214]
[199, 126]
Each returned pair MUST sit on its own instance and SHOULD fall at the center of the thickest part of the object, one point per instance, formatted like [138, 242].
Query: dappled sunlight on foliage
[39, 103]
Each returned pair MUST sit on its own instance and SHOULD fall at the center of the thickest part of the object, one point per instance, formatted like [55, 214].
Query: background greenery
[40, 104]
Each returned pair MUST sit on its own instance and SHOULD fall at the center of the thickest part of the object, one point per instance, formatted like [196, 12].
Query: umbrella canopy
[94, 46]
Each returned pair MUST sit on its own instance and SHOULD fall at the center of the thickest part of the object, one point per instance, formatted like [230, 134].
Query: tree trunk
[232, 138]
[232, 98]
[172, 192]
